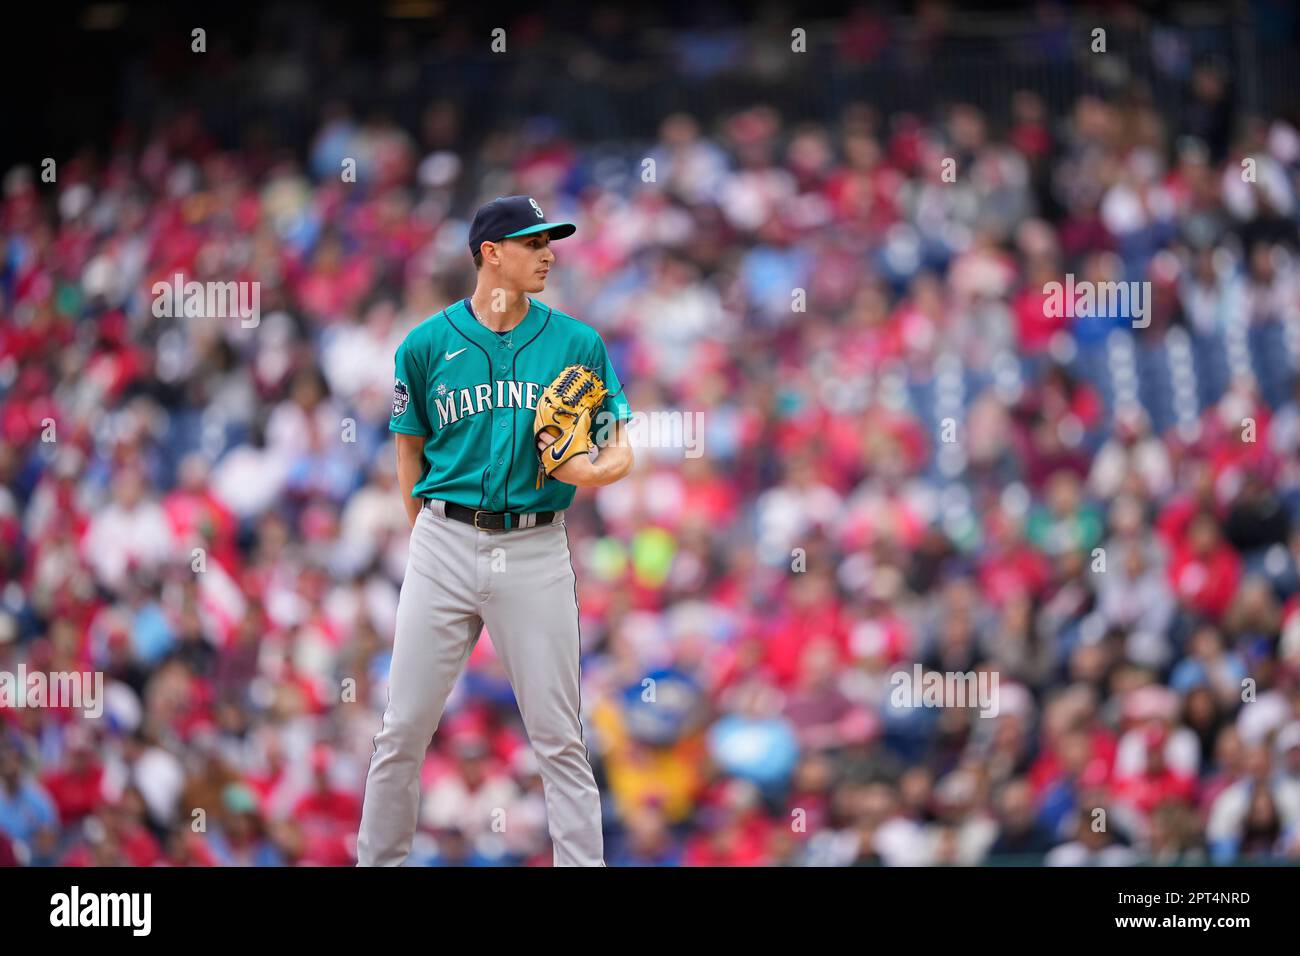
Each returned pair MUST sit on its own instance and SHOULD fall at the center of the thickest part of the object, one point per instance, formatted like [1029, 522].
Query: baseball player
[491, 448]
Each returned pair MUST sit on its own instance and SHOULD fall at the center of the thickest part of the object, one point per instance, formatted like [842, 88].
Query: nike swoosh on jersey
[448, 356]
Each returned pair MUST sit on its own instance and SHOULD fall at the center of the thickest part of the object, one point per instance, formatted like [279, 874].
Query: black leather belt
[492, 520]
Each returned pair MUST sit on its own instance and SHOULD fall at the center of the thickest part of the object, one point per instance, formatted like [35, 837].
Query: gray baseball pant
[530, 607]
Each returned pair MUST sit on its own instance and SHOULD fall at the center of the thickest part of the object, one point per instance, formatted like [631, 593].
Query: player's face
[526, 261]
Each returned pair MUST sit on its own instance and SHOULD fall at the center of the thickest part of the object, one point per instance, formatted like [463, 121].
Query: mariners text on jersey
[471, 393]
[465, 402]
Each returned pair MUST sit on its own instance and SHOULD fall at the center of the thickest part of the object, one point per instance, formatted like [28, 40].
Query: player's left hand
[583, 471]
[576, 471]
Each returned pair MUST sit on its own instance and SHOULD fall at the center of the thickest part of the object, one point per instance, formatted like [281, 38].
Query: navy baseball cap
[508, 217]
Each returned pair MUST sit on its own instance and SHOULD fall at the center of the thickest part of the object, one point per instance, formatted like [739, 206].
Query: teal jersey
[471, 393]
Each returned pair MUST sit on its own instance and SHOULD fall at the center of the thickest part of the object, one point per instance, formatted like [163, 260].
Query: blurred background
[825, 539]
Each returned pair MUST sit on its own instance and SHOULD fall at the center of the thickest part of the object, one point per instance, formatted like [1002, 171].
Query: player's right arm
[409, 424]
[410, 466]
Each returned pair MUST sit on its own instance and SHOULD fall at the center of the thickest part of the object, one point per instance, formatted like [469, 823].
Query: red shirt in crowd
[75, 794]
[1206, 584]
[1146, 791]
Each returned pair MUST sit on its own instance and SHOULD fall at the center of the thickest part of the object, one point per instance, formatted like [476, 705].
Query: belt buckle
[476, 524]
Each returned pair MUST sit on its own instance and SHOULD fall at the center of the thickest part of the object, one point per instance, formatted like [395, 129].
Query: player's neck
[516, 307]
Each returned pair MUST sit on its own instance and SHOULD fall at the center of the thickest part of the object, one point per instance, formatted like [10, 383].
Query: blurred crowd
[206, 511]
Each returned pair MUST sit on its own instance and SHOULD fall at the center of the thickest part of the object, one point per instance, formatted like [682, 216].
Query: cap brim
[558, 230]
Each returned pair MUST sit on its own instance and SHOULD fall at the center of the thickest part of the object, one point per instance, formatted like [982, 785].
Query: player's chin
[539, 282]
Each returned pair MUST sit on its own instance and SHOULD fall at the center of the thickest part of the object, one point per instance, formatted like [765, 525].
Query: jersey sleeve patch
[401, 397]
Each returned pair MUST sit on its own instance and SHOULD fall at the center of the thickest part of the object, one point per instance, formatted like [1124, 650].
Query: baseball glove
[565, 410]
